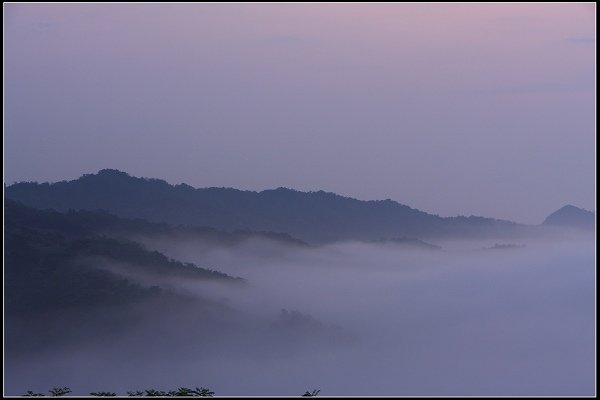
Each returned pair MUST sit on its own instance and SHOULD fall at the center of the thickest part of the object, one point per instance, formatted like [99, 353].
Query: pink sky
[485, 109]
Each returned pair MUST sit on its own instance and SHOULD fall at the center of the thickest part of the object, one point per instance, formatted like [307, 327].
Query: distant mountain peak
[571, 208]
[571, 216]
[110, 171]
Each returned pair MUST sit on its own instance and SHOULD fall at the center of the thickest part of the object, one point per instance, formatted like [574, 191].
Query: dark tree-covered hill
[101, 222]
[315, 217]
[55, 261]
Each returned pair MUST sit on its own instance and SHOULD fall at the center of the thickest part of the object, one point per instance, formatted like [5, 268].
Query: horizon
[288, 188]
[455, 108]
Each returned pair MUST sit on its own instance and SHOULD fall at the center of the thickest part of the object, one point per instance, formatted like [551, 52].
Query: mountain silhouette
[55, 261]
[314, 217]
[66, 281]
[571, 216]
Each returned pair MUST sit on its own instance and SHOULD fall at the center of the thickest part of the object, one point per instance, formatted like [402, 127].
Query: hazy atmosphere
[472, 109]
[333, 199]
[388, 322]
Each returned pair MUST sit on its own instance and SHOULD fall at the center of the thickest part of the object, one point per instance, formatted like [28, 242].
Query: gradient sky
[484, 109]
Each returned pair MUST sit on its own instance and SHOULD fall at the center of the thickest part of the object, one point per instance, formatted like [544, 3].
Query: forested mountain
[56, 261]
[102, 222]
[314, 217]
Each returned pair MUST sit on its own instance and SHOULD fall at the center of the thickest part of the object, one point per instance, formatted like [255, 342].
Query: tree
[59, 391]
[311, 394]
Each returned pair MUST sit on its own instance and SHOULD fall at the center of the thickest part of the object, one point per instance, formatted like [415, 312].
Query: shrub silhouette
[32, 394]
[180, 392]
[53, 392]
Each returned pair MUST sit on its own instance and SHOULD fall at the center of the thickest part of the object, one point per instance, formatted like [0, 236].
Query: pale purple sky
[485, 109]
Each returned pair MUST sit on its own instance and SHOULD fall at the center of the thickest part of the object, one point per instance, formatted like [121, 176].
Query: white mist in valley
[360, 319]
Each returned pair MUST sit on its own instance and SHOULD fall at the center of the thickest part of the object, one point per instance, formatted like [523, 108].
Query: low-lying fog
[361, 319]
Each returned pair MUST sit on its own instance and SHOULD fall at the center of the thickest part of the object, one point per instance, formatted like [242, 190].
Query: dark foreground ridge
[59, 261]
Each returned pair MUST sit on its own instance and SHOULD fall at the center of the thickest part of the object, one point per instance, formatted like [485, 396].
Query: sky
[454, 109]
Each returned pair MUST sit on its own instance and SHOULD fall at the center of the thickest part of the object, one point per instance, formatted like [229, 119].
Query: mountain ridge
[55, 260]
[314, 217]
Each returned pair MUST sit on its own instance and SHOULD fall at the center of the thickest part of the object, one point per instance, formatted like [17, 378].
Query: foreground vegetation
[181, 392]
